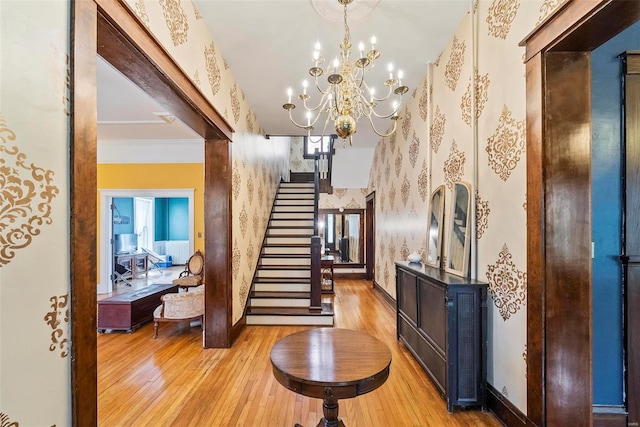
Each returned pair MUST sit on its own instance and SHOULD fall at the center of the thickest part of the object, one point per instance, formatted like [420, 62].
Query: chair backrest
[195, 265]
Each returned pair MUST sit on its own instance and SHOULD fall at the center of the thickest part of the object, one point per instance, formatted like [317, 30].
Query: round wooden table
[330, 364]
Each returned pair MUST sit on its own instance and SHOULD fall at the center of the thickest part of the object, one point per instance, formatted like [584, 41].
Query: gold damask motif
[393, 139]
[235, 259]
[548, 6]
[260, 194]
[423, 181]
[244, 221]
[482, 95]
[506, 145]
[196, 79]
[482, 215]
[339, 192]
[404, 250]
[414, 149]
[392, 198]
[383, 151]
[423, 103]
[176, 20]
[328, 205]
[364, 191]
[524, 205]
[501, 16]
[66, 99]
[381, 250]
[437, 129]
[213, 71]
[249, 120]
[504, 391]
[382, 203]
[57, 317]
[196, 12]
[250, 190]
[297, 164]
[26, 194]
[406, 125]
[454, 166]
[524, 357]
[387, 172]
[352, 204]
[250, 254]
[437, 63]
[141, 11]
[455, 64]
[386, 275]
[226, 66]
[405, 190]
[5, 421]
[236, 181]
[256, 223]
[392, 252]
[507, 284]
[244, 291]
[398, 163]
[235, 102]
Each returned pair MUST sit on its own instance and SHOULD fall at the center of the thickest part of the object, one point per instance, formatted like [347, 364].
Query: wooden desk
[330, 364]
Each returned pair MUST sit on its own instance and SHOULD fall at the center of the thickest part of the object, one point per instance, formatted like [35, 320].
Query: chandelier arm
[295, 123]
[320, 89]
[384, 135]
[383, 116]
[320, 106]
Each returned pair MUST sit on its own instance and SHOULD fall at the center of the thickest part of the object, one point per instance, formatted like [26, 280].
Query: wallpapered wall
[466, 122]
[297, 161]
[34, 228]
[258, 164]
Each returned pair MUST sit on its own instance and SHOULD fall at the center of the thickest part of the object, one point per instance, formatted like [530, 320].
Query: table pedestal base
[330, 412]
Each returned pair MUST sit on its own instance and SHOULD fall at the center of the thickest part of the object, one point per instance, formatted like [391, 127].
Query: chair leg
[155, 329]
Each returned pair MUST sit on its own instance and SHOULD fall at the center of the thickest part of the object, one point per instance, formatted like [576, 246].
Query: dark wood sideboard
[442, 320]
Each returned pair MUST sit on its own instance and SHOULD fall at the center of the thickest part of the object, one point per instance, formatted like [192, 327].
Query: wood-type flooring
[173, 381]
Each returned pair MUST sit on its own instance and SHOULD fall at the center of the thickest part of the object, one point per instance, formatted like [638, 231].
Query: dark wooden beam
[217, 238]
[83, 227]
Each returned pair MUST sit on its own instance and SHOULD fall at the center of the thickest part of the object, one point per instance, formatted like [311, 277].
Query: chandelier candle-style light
[348, 97]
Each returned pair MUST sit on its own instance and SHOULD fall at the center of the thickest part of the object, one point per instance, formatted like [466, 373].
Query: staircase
[280, 293]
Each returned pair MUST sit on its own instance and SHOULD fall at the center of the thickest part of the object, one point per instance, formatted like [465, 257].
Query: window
[323, 144]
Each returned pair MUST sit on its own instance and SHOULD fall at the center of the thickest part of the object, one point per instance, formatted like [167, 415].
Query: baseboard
[385, 295]
[506, 411]
[236, 329]
[609, 416]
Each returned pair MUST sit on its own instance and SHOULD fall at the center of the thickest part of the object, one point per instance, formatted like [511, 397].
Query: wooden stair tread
[283, 267]
[327, 310]
[289, 235]
[295, 227]
[286, 280]
[283, 295]
[285, 256]
[287, 245]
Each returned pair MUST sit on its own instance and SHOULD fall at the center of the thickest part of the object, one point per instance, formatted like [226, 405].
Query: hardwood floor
[173, 381]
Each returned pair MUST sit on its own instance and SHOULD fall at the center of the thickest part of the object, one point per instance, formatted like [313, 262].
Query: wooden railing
[316, 245]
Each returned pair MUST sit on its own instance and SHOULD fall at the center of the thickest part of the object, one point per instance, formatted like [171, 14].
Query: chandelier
[348, 97]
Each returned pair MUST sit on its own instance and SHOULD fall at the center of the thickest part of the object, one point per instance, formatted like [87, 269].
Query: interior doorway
[370, 235]
[144, 206]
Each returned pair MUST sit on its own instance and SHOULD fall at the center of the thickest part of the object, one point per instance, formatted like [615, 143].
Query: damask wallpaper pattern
[488, 151]
[258, 164]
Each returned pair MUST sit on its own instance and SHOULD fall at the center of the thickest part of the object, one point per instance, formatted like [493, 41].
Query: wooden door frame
[370, 235]
[559, 341]
[110, 28]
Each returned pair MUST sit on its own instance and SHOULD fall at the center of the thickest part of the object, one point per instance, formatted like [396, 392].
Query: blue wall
[172, 218]
[125, 208]
[607, 210]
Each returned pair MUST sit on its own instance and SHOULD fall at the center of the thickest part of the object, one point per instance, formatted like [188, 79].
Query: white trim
[104, 239]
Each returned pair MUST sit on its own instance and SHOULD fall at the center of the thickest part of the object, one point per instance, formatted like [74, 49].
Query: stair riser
[280, 302]
[307, 216]
[282, 287]
[288, 240]
[291, 231]
[294, 202]
[286, 251]
[302, 274]
[264, 319]
[295, 196]
[286, 261]
[291, 223]
[288, 208]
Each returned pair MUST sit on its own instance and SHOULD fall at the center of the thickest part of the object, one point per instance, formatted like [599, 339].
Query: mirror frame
[360, 212]
[467, 237]
[438, 255]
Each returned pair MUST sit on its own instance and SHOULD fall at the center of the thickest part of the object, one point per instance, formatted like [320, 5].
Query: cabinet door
[407, 295]
[433, 313]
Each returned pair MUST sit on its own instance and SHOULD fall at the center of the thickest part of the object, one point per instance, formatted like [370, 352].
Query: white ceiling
[268, 45]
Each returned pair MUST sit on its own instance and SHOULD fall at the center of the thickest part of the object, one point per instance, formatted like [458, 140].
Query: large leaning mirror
[342, 234]
[459, 227]
[435, 227]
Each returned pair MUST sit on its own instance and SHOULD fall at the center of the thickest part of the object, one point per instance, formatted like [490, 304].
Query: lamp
[348, 97]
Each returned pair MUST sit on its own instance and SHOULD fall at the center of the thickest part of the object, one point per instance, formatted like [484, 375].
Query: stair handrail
[316, 244]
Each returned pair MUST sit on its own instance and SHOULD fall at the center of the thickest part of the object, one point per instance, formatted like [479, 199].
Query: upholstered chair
[179, 307]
